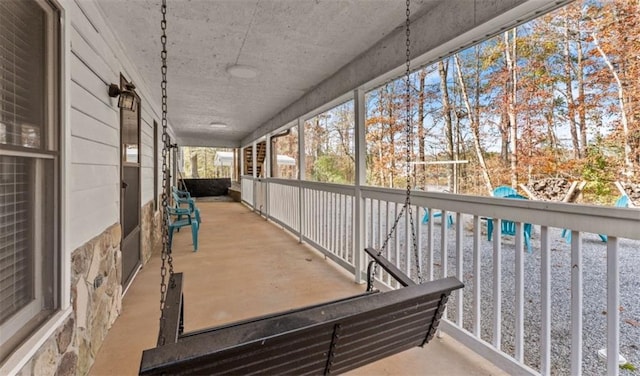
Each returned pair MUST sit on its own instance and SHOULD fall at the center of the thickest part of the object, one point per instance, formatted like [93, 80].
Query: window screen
[16, 272]
[22, 73]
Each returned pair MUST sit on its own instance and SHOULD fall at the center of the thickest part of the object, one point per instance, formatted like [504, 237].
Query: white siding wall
[146, 154]
[96, 60]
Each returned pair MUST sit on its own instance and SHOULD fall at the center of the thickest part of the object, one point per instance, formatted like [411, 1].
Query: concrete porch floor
[246, 266]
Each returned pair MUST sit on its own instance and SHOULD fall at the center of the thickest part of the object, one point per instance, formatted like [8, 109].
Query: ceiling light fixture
[217, 125]
[242, 71]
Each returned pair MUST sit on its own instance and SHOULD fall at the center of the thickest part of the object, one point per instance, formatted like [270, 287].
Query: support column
[267, 172]
[360, 179]
[301, 177]
[254, 173]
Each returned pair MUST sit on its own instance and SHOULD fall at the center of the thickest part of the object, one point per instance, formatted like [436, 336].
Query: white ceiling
[294, 45]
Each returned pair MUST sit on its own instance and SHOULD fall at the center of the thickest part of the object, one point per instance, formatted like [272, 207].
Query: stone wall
[96, 296]
[151, 231]
[58, 356]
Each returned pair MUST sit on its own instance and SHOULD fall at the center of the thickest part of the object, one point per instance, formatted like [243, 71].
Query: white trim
[65, 155]
[27, 154]
[28, 349]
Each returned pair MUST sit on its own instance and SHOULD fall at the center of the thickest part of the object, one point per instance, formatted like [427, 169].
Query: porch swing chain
[408, 143]
[166, 246]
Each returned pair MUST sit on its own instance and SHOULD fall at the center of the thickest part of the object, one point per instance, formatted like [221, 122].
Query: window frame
[19, 329]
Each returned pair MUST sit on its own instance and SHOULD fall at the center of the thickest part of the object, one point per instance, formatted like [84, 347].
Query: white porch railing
[505, 311]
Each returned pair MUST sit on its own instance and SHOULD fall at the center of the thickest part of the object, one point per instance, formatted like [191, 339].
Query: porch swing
[332, 337]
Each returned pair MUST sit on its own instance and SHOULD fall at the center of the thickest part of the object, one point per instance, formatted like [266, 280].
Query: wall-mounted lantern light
[127, 95]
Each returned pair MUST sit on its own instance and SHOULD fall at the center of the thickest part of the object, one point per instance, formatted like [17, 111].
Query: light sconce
[128, 98]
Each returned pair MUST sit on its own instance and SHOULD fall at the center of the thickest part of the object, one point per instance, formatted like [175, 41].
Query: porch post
[301, 177]
[360, 179]
[241, 158]
[267, 172]
[254, 173]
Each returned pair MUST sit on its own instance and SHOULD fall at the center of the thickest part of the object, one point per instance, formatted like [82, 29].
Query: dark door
[130, 192]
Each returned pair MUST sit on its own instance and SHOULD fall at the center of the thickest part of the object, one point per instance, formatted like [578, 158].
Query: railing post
[613, 305]
[360, 179]
[477, 270]
[545, 301]
[576, 303]
[497, 285]
[301, 177]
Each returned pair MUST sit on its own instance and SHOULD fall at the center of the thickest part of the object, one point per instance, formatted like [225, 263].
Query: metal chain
[408, 143]
[166, 246]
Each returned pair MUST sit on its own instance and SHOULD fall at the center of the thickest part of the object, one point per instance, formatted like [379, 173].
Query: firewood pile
[633, 191]
[550, 189]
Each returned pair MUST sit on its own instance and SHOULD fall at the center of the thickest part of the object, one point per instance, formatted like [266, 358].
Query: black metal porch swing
[331, 337]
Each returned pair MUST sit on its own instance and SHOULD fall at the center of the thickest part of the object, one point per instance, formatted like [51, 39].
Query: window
[329, 145]
[284, 154]
[28, 168]
[206, 163]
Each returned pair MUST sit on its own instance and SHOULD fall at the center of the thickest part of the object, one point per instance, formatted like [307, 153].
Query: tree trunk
[421, 180]
[392, 135]
[571, 105]
[475, 129]
[621, 104]
[446, 112]
[194, 163]
[582, 109]
[510, 55]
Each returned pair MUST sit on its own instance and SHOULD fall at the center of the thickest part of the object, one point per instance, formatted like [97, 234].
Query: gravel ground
[594, 296]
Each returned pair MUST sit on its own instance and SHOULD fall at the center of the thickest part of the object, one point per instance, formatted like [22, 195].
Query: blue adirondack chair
[509, 227]
[503, 191]
[425, 219]
[178, 218]
[622, 202]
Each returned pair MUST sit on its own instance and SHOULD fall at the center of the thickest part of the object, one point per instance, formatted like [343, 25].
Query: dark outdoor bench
[332, 337]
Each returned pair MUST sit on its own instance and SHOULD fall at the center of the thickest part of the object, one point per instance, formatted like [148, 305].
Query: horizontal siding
[88, 103]
[84, 126]
[90, 176]
[94, 199]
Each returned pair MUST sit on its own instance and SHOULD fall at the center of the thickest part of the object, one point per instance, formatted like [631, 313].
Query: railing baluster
[319, 222]
[477, 270]
[396, 243]
[459, 264]
[545, 302]
[497, 285]
[420, 265]
[519, 286]
[430, 244]
[408, 248]
[388, 227]
[576, 303]
[333, 206]
[613, 304]
[341, 224]
[325, 220]
[444, 258]
[379, 223]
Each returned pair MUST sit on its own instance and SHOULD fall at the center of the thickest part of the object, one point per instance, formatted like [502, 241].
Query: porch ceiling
[294, 45]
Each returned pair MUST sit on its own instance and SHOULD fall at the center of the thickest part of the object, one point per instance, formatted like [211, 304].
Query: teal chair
[425, 219]
[178, 218]
[622, 202]
[503, 191]
[181, 198]
[509, 227]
